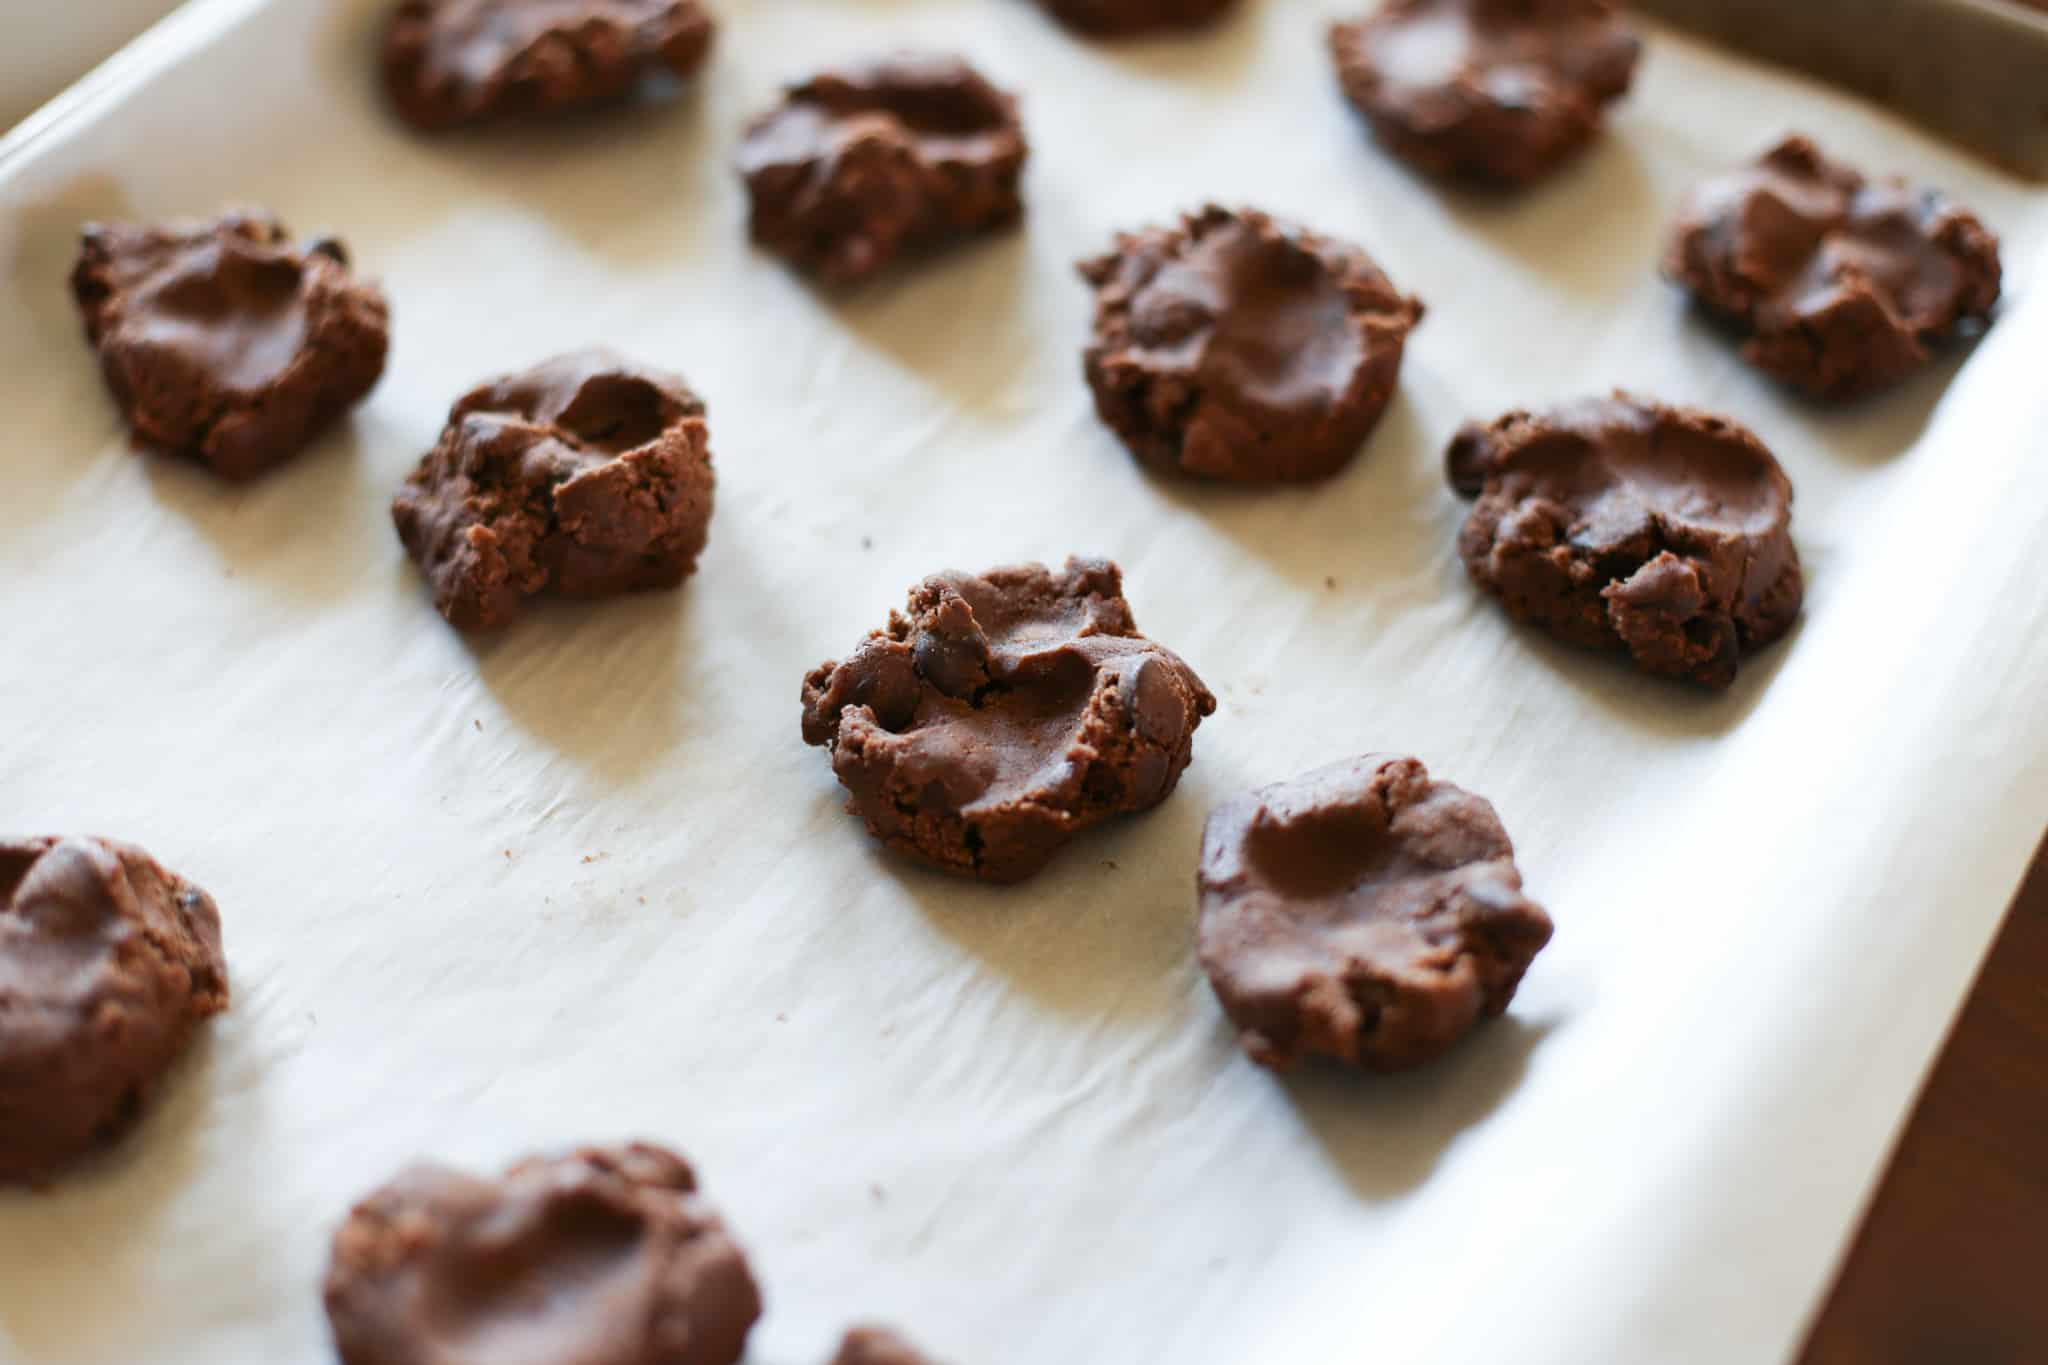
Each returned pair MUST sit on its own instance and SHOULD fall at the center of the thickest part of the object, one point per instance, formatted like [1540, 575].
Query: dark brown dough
[107, 962]
[877, 1346]
[1003, 715]
[224, 342]
[1239, 348]
[585, 476]
[606, 1256]
[1129, 18]
[1362, 912]
[1842, 287]
[858, 165]
[1500, 91]
[1618, 523]
[451, 62]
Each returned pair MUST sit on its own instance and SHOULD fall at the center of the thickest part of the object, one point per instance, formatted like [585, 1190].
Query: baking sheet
[1969, 69]
[48, 46]
[584, 881]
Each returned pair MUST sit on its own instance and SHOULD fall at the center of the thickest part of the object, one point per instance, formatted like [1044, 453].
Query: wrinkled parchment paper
[584, 882]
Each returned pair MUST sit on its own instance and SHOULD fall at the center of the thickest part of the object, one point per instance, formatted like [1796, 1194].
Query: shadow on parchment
[1872, 430]
[630, 182]
[44, 335]
[1386, 498]
[599, 682]
[1547, 228]
[1100, 934]
[46, 235]
[1656, 705]
[1385, 1134]
[313, 527]
[1884, 426]
[91, 1226]
[949, 316]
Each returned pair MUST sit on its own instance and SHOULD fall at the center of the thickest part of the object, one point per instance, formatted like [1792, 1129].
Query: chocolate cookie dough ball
[452, 62]
[1239, 348]
[606, 1256]
[877, 1346]
[225, 343]
[107, 962]
[1617, 523]
[1500, 91]
[1003, 715]
[1363, 912]
[1842, 287]
[858, 166]
[585, 476]
[1131, 18]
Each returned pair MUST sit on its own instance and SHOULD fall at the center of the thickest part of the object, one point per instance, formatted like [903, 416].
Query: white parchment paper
[584, 882]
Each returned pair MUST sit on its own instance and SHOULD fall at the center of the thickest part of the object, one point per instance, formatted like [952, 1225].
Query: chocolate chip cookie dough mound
[605, 1256]
[1363, 912]
[877, 1346]
[858, 166]
[1239, 348]
[1133, 18]
[1498, 91]
[107, 962]
[1617, 523]
[452, 62]
[1842, 286]
[585, 476]
[224, 342]
[1003, 714]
